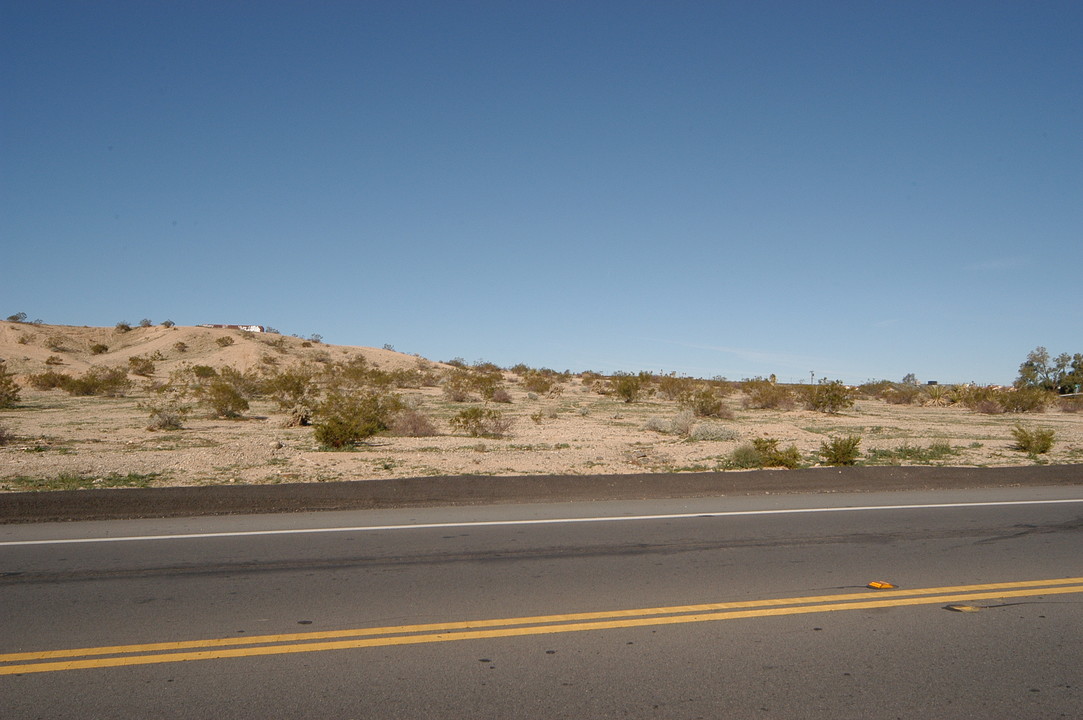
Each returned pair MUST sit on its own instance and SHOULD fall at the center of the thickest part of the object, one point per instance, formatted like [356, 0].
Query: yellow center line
[219, 648]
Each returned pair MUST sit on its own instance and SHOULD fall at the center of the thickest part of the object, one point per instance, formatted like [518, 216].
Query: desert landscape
[160, 424]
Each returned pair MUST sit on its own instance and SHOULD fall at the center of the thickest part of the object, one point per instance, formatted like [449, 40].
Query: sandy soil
[576, 432]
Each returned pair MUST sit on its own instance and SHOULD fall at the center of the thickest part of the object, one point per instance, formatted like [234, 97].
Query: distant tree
[17, 317]
[145, 323]
[910, 379]
[1061, 374]
[168, 323]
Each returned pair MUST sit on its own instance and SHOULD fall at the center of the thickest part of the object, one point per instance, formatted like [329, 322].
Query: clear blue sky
[855, 189]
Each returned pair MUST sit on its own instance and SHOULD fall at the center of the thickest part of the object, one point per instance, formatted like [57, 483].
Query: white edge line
[544, 521]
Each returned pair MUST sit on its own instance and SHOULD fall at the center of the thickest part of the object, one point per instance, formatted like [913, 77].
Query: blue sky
[859, 190]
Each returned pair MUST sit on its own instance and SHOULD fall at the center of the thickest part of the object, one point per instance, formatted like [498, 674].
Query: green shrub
[626, 386]
[346, 418]
[764, 452]
[9, 389]
[707, 402]
[678, 389]
[99, 349]
[123, 327]
[773, 456]
[139, 365]
[840, 450]
[203, 372]
[1036, 442]
[827, 396]
[224, 341]
[111, 382]
[936, 451]
[766, 394]
[481, 422]
[224, 398]
[48, 380]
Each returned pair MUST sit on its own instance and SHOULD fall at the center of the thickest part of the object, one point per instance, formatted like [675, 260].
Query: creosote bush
[767, 394]
[224, 341]
[167, 413]
[840, 450]
[481, 422]
[626, 386]
[110, 382]
[764, 452]
[9, 389]
[99, 349]
[1035, 442]
[827, 396]
[344, 419]
[139, 365]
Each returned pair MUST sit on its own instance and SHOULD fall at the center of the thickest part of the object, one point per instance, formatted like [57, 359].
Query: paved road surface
[709, 608]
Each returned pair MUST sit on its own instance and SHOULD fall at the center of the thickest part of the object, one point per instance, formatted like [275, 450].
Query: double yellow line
[218, 648]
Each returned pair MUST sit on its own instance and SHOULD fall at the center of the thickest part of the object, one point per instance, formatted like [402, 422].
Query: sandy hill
[33, 348]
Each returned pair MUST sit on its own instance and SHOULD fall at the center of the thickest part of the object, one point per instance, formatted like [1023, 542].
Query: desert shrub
[678, 389]
[180, 346]
[56, 343]
[773, 456]
[224, 341]
[840, 450]
[293, 387]
[936, 451]
[168, 323]
[1026, 399]
[500, 395]
[99, 349]
[712, 432]
[110, 382]
[1037, 441]
[707, 402]
[827, 396]
[411, 422]
[764, 452]
[166, 413]
[875, 389]
[659, 425]
[767, 394]
[745, 457]
[9, 389]
[139, 365]
[343, 419]
[48, 380]
[996, 400]
[19, 317]
[902, 394]
[1070, 404]
[457, 385]
[683, 422]
[145, 323]
[6, 436]
[123, 327]
[203, 372]
[536, 382]
[626, 386]
[481, 422]
[54, 360]
[937, 396]
[224, 399]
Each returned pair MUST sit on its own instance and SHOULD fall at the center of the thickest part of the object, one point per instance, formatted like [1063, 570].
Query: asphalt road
[694, 608]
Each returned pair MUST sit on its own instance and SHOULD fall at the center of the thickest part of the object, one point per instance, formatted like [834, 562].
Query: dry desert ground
[57, 440]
